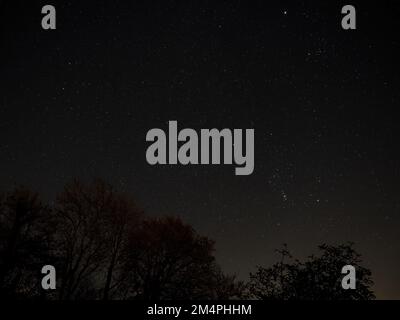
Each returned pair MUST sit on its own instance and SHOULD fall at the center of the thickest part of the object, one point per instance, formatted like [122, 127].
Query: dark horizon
[77, 102]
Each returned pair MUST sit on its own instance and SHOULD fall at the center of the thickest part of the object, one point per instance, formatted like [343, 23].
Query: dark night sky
[78, 102]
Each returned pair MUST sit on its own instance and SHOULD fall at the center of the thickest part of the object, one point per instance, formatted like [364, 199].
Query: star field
[78, 101]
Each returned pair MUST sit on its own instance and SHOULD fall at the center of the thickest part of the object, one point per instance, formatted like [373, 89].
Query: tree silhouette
[171, 261]
[103, 247]
[121, 221]
[318, 278]
[25, 231]
[94, 222]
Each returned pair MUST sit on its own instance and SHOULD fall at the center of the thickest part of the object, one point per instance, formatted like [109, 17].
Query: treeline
[104, 247]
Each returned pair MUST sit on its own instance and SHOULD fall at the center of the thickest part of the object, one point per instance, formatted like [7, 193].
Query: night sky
[77, 102]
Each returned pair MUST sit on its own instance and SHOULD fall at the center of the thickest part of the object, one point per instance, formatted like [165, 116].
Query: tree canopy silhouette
[171, 261]
[317, 278]
[94, 223]
[104, 247]
[25, 238]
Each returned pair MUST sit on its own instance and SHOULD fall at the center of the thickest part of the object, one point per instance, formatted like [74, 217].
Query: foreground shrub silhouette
[317, 278]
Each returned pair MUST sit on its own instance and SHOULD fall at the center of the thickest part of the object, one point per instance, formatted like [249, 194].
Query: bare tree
[122, 221]
[25, 239]
[93, 222]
